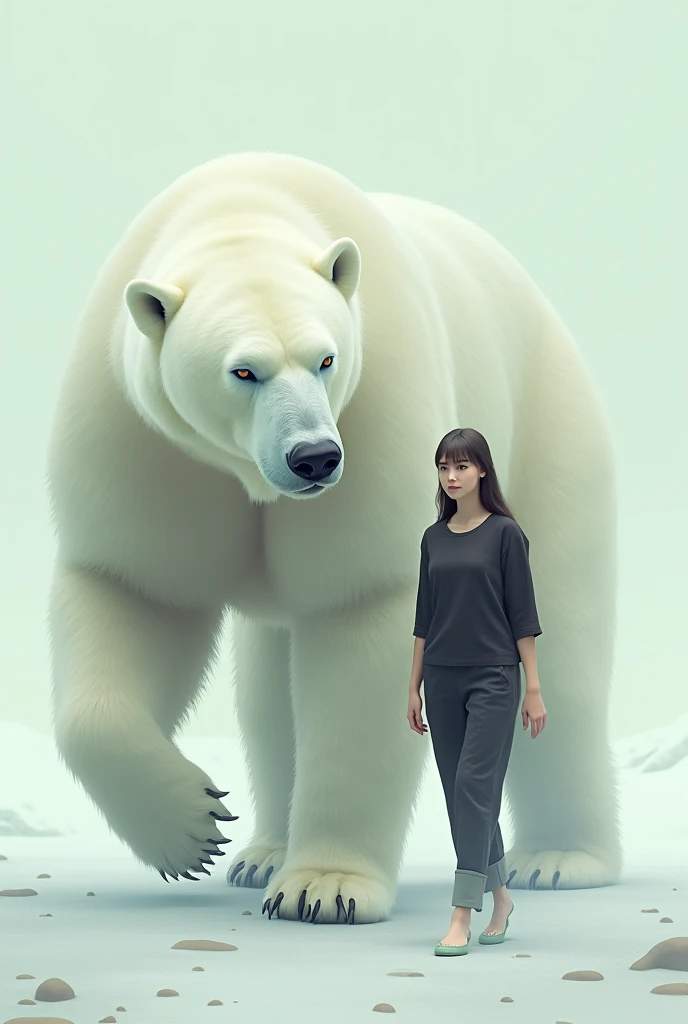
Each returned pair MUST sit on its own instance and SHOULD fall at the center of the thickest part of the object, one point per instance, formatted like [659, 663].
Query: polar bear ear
[152, 306]
[341, 264]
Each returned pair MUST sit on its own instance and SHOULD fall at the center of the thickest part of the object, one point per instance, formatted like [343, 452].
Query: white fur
[173, 502]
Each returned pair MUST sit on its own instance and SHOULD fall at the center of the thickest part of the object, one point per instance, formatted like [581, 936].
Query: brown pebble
[673, 890]
[206, 944]
[215, 1002]
[523, 955]
[45, 915]
[26, 1002]
[583, 976]
[167, 992]
[90, 894]
[506, 999]
[384, 1008]
[666, 920]
[54, 990]
[120, 1009]
[39, 1020]
[247, 913]
[404, 974]
[24, 977]
[43, 876]
[108, 1020]
[672, 955]
[198, 968]
[18, 892]
[674, 988]
[2, 856]
[650, 910]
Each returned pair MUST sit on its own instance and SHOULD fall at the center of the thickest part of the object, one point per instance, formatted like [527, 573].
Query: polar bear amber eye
[244, 374]
[327, 361]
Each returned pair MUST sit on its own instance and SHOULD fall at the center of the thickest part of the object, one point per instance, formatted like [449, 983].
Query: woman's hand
[533, 708]
[415, 714]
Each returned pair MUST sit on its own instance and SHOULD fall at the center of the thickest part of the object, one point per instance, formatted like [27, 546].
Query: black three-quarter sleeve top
[475, 594]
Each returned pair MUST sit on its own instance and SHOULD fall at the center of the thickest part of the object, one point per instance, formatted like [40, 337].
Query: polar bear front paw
[328, 897]
[253, 865]
[559, 869]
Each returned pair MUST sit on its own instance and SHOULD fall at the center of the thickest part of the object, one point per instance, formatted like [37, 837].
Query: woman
[476, 620]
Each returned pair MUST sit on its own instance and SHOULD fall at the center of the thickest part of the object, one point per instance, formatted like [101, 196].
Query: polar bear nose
[314, 462]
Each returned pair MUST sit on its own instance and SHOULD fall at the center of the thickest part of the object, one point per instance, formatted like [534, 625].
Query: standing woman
[476, 620]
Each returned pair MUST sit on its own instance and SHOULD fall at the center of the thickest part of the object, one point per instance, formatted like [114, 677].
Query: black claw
[236, 869]
[223, 817]
[164, 876]
[215, 853]
[340, 906]
[250, 873]
[555, 880]
[218, 842]
[266, 904]
[302, 903]
[185, 874]
[276, 905]
[315, 911]
[352, 909]
[174, 875]
[216, 793]
[510, 878]
[204, 870]
[533, 879]
[207, 860]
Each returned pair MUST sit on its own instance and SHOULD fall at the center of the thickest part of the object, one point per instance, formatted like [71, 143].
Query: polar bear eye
[244, 374]
[327, 361]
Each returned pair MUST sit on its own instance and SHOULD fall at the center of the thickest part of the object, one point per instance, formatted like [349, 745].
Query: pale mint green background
[560, 127]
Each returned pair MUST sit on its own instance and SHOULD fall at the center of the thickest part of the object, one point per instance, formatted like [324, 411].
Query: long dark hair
[468, 445]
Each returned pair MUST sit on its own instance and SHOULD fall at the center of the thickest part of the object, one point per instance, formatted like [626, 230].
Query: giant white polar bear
[248, 420]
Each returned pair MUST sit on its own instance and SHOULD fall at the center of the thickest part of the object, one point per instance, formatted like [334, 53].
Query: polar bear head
[247, 360]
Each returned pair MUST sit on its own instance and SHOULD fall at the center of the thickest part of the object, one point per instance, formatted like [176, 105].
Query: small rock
[206, 944]
[167, 992]
[215, 1002]
[5, 858]
[54, 990]
[18, 892]
[672, 955]
[650, 910]
[45, 915]
[405, 974]
[198, 968]
[384, 1008]
[674, 988]
[43, 876]
[523, 955]
[108, 1020]
[246, 913]
[26, 1002]
[666, 920]
[90, 894]
[2, 856]
[24, 977]
[120, 1009]
[583, 976]
[506, 999]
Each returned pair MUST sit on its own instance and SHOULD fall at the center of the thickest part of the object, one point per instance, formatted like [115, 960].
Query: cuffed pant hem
[496, 875]
[469, 888]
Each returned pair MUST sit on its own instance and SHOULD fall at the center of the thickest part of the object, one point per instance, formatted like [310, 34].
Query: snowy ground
[114, 948]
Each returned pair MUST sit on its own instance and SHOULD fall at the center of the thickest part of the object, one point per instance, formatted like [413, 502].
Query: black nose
[314, 462]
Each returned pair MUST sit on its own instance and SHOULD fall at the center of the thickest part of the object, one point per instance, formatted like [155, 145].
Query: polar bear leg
[358, 763]
[125, 671]
[264, 713]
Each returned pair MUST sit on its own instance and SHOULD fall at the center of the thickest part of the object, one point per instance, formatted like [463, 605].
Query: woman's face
[458, 479]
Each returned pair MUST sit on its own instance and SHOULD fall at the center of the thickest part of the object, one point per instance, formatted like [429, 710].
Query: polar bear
[247, 422]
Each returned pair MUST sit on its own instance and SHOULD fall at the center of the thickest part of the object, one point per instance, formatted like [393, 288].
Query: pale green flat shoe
[492, 940]
[442, 950]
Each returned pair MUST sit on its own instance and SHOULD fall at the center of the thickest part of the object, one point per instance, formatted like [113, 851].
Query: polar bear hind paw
[560, 869]
[328, 897]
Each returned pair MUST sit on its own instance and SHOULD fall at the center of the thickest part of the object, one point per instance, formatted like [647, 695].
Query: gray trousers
[471, 712]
